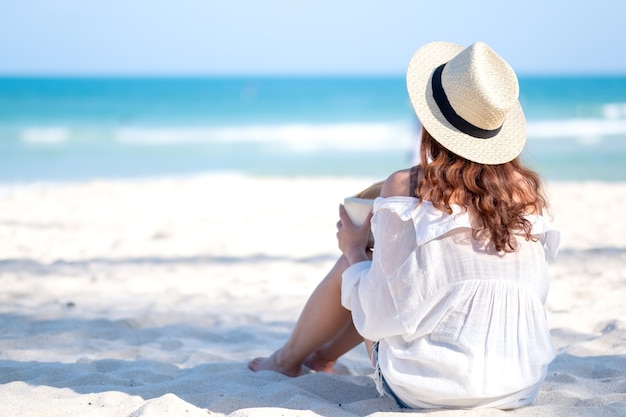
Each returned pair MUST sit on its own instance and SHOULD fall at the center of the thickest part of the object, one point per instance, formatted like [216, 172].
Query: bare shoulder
[397, 184]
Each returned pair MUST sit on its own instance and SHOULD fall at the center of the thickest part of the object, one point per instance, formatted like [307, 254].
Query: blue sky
[243, 37]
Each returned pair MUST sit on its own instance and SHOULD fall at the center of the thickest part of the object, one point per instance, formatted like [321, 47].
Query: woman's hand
[352, 239]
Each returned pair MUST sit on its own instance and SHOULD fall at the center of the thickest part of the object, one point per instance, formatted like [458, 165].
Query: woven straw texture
[481, 87]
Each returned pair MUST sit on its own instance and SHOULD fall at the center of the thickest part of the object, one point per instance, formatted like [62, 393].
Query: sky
[291, 37]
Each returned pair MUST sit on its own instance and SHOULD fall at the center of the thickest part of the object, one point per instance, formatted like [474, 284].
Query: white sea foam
[583, 130]
[45, 135]
[299, 137]
[308, 137]
[614, 110]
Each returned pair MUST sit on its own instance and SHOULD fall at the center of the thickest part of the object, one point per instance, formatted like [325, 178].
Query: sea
[59, 129]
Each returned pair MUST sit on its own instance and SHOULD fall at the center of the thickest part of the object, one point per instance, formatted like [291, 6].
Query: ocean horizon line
[271, 76]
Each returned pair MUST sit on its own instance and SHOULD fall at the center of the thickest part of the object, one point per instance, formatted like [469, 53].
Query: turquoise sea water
[57, 129]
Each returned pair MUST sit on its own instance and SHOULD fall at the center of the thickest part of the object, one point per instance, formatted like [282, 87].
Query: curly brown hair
[496, 196]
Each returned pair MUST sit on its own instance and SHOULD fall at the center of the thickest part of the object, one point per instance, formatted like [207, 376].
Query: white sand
[148, 298]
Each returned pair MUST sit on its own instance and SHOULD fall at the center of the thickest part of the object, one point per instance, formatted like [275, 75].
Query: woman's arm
[365, 285]
[369, 288]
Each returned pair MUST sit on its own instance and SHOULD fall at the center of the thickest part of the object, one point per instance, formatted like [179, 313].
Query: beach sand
[149, 297]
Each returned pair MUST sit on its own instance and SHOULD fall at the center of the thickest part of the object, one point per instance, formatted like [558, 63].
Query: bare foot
[274, 364]
[319, 364]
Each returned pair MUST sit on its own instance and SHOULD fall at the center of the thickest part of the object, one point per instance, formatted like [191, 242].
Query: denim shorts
[381, 385]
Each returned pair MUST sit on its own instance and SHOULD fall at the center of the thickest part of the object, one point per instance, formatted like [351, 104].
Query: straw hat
[467, 99]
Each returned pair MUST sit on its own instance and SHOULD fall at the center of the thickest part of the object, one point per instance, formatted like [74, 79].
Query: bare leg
[322, 320]
[325, 358]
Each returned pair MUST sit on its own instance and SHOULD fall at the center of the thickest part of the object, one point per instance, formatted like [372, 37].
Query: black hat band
[451, 116]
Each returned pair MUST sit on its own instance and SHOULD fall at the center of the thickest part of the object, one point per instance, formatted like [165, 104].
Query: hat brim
[502, 148]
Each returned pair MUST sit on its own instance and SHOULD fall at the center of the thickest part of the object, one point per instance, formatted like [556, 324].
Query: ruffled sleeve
[547, 234]
[365, 285]
[429, 222]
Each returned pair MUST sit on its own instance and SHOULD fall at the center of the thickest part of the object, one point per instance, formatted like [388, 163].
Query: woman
[450, 300]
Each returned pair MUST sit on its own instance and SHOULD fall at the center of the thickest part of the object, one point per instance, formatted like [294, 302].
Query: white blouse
[459, 325]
